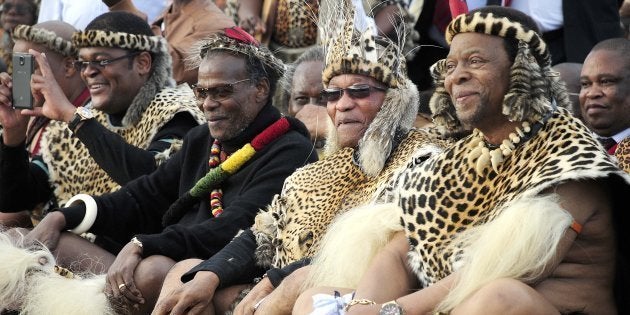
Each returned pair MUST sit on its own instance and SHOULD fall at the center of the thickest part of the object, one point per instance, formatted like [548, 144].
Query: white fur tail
[29, 283]
[350, 243]
[517, 244]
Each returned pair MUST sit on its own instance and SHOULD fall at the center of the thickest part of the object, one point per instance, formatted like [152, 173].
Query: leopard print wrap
[291, 227]
[445, 195]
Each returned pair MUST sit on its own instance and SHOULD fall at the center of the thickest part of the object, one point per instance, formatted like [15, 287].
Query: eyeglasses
[19, 8]
[81, 65]
[216, 93]
[355, 91]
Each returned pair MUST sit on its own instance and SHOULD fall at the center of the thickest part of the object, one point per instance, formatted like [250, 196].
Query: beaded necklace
[216, 194]
[221, 172]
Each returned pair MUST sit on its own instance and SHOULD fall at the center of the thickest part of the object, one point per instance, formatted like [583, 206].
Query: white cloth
[328, 304]
[622, 135]
[81, 13]
[546, 13]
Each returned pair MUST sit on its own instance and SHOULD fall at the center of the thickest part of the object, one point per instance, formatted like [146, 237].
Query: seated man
[134, 121]
[225, 172]
[515, 218]
[605, 96]
[373, 106]
[53, 39]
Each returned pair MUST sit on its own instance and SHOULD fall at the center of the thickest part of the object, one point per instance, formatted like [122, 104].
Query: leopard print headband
[98, 38]
[46, 38]
[488, 23]
[534, 86]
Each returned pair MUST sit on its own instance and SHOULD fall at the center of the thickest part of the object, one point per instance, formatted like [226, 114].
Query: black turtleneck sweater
[137, 208]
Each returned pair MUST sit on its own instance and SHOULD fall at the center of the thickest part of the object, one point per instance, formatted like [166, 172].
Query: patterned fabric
[446, 195]
[46, 38]
[73, 170]
[313, 196]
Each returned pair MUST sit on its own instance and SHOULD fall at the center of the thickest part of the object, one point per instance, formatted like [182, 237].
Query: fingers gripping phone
[22, 71]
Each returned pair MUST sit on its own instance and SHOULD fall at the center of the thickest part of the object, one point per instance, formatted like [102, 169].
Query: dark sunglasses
[19, 8]
[355, 91]
[81, 65]
[216, 93]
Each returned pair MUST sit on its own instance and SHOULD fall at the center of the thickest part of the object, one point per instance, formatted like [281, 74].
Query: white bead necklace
[481, 157]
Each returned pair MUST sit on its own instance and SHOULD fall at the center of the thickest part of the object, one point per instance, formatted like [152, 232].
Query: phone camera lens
[21, 60]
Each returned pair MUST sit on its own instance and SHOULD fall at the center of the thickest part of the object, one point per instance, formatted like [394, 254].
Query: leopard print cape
[292, 225]
[446, 195]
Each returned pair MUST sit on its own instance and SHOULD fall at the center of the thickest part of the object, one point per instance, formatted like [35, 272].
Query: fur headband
[46, 38]
[534, 86]
[235, 39]
[98, 38]
[488, 23]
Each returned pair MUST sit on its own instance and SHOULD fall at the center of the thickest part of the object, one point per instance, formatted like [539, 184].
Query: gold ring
[121, 286]
[255, 307]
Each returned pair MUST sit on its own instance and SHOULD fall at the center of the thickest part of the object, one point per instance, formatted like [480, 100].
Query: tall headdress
[534, 86]
[352, 46]
[45, 38]
[119, 29]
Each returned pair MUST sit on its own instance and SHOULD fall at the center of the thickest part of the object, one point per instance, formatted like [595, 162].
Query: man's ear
[262, 91]
[68, 67]
[143, 62]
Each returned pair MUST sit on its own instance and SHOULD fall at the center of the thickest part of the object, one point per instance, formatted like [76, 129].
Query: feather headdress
[352, 46]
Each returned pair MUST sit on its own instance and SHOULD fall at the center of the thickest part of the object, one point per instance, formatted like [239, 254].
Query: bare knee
[150, 275]
[505, 296]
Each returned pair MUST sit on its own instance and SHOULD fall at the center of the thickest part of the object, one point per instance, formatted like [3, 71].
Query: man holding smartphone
[52, 38]
[134, 121]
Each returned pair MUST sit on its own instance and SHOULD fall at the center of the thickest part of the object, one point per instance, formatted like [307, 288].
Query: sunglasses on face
[20, 8]
[216, 93]
[81, 65]
[356, 91]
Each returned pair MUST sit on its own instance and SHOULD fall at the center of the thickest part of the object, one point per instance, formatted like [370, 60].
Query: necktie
[607, 142]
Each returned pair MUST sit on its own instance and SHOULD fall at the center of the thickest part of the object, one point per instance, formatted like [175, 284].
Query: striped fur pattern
[46, 38]
[98, 38]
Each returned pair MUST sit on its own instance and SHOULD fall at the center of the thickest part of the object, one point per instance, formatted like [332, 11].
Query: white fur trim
[350, 244]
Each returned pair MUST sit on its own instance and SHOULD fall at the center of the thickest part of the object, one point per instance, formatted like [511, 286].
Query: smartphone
[22, 71]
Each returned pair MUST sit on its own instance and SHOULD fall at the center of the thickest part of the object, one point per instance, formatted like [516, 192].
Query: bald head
[62, 29]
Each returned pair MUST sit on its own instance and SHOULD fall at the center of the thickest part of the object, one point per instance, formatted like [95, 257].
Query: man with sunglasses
[134, 121]
[195, 203]
[372, 105]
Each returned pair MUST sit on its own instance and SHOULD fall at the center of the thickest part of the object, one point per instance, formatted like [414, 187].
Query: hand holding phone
[23, 65]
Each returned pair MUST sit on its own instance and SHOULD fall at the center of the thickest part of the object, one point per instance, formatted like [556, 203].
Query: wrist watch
[391, 308]
[81, 114]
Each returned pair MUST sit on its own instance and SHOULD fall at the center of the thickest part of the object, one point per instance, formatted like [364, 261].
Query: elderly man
[52, 38]
[605, 96]
[224, 173]
[134, 121]
[373, 106]
[516, 217]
